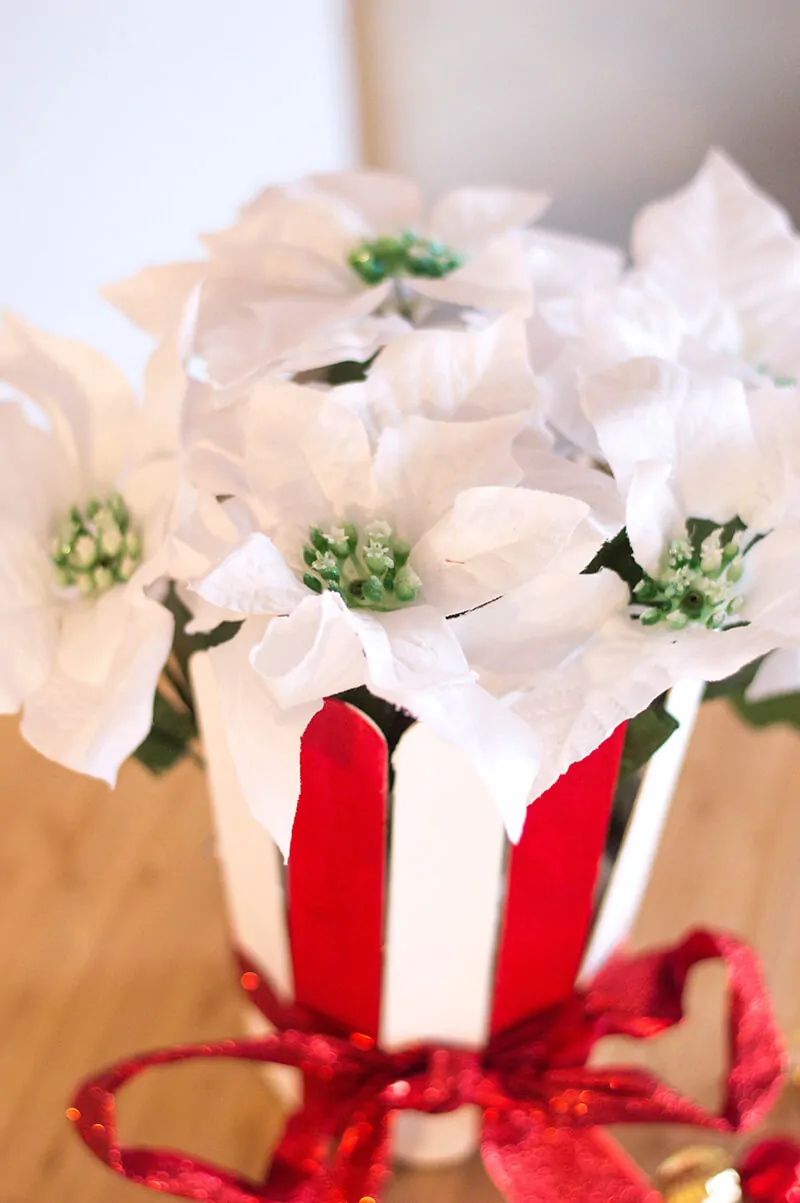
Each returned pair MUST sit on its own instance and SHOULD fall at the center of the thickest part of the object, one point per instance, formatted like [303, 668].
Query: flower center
[403, 254]
[97, 547]
[368, 568]
[697, 585]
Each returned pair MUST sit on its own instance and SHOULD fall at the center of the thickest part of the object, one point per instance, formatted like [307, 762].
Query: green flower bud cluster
[97, 547]
[369, 569]
[696, 586]
[403, 255]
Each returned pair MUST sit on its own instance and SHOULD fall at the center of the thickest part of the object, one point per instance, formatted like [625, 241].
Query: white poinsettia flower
[715, 286]
[715, 533]
[91, 493]
[730, 258]
[457, 375]
[304, 262]
[361, 552]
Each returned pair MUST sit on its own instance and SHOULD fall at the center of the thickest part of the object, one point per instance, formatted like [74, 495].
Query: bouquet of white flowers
[485, 484]
[455, 469]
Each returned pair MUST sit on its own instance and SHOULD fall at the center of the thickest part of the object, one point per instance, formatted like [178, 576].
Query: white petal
[313, 653]
[503, 748]
[91, 634]
[775, 414]
[28, 614]
[648, 409]
[576, 706]
[156, 297]
[538, 627]
[93, 726]
[469, 217]
[88, 401]
[724, 231]
[264, 740]
[204, 616]
[634, 408]
[253, 579]
[307, 456]
[771, 585]
[573, 337]
[654, 515]
[452, 374]
[327, 214]
[290, 235]
[492, 540]
[408, 650]
[29, 647]
[421, 466]
[38, 478]
[246, 325]
[495, 277]
[618, 673]
[562, 265]
[353, 341]
[158, 420]
[552, 474]
[719, 469]
[778, 674]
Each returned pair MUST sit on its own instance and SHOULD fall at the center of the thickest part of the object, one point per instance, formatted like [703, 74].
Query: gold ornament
[697, 1174]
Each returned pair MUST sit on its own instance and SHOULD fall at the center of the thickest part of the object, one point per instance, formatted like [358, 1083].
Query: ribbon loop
[541, 1103]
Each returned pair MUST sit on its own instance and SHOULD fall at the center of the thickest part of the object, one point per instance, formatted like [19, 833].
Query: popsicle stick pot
[408, 916]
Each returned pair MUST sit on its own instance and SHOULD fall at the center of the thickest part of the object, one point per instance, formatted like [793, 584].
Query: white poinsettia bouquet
[450, 467]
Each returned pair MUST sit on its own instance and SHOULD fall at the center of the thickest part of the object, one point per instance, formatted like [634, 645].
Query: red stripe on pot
[337, 868]
[551, 882]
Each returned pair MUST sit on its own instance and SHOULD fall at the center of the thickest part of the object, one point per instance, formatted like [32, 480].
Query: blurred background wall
[606, 103]
[127, 126]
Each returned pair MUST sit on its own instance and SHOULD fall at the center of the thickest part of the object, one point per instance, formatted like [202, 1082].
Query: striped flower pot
[411, 917]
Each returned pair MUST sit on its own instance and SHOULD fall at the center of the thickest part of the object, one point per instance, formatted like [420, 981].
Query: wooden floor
[112, 939]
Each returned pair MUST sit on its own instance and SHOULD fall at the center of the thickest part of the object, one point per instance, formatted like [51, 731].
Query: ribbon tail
[530, 1161]
[360, 1166]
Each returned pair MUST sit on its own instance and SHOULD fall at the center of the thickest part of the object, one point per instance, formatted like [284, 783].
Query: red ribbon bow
[541, 1104]
[770, 1171]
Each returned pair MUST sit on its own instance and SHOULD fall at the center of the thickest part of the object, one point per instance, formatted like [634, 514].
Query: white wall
[127, 126]
[604, 102]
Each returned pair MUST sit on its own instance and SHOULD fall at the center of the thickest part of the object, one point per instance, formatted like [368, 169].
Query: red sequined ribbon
[541, 1104]
[770, 1171]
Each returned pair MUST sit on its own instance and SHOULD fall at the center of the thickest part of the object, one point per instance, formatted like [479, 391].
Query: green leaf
[730, 686]
[645, 734]
[783, 708]
[349, 371]
[174, 730]
[169, 738]
[617, 554]
[699, 529]
[185, 645]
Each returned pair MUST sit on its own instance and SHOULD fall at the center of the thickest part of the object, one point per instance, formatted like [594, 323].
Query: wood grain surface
[113, 939]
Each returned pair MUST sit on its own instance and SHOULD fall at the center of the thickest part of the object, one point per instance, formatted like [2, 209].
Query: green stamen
[403, 255]
[369, 569]
[695, 586]
[97, 548]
